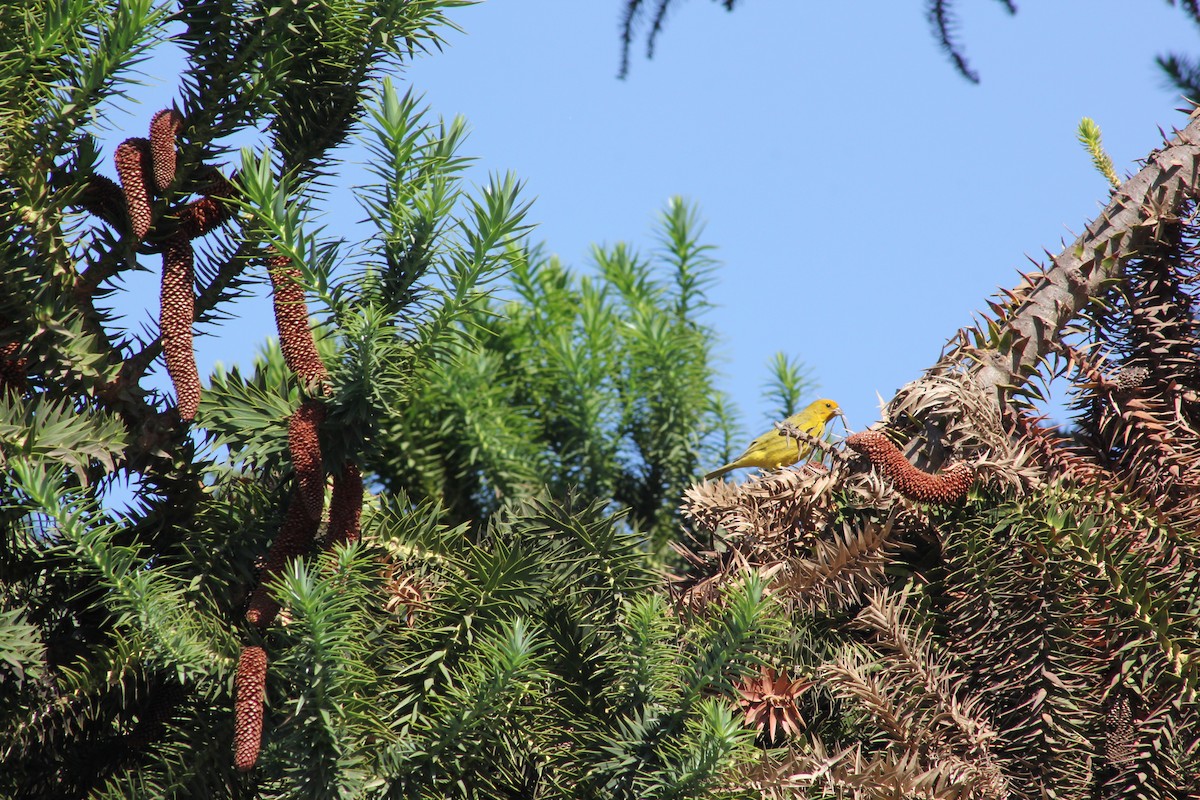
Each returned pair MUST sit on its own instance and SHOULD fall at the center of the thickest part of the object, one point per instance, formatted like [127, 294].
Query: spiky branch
[1042, 305]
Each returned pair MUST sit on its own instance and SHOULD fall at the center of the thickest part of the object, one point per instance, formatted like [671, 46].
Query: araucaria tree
[391, 559]
[983, 605]
[416, 550]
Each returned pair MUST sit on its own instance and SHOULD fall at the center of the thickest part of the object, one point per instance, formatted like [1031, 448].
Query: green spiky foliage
[186, 608]
[1030, 631]
[602, 383]
[549, 671]
[1088, 134]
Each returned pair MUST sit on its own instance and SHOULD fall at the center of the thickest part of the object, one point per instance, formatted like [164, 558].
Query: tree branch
[1045, 303]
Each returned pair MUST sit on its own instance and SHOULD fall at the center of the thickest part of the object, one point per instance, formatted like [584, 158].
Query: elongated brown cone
[305, 446]
[948, 486]
[295, 538]
[291, 320]
[345, 506]
[133, 168]
[250, 686]
[176, 315]
[164, 128]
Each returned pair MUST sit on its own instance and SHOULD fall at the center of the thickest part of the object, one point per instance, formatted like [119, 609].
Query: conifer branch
[1043, 304]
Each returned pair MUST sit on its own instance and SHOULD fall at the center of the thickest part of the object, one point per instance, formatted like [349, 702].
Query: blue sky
[864, 198]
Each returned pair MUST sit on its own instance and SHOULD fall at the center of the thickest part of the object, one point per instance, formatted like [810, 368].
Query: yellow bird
[773, 450]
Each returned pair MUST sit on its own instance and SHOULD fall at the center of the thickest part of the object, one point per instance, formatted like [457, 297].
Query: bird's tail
[719, 471]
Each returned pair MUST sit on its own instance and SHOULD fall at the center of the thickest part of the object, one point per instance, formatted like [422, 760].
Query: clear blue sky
[864, 198]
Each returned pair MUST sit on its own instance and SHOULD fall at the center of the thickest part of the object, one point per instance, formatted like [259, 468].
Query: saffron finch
[773, 450]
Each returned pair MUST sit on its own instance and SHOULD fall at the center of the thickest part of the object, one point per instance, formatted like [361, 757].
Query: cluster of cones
[147, 169]
[296, 537]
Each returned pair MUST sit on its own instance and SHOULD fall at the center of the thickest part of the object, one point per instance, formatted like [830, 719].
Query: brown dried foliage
[304, 444]
[781, 526]
[250, 686]
[840, 570]
[1050, 449]
[769, 507]
[1138, 386]
[934, 738]
[924, 705]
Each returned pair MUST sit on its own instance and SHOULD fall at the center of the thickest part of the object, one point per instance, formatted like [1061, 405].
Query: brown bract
[946, 487]
[770, 702]
[176, 314]
[249, 685]
[304, 443]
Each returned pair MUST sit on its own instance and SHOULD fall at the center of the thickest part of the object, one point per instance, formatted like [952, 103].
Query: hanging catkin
[291, 321]
[132, 160]
[345, 506]
[249, 686]
[177, 309]
[295, 538]
[164, 128]
[304, 443]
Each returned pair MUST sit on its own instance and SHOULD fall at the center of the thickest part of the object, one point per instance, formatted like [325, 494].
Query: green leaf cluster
[602, 382]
